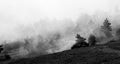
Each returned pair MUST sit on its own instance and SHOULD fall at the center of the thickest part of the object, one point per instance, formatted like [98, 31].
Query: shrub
[92, 40]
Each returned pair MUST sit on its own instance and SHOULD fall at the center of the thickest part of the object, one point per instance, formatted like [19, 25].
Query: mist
[31, 28]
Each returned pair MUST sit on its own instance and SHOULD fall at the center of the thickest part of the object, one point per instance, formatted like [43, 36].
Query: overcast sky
[33, 10]
[20, 12]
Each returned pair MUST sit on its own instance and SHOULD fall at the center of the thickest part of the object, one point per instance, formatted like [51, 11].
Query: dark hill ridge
[99, 54]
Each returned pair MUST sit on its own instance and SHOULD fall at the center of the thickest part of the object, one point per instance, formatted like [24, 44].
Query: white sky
[33, 10]
[15, 12]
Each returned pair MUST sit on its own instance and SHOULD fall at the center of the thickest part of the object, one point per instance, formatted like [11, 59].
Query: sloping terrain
[99, 54]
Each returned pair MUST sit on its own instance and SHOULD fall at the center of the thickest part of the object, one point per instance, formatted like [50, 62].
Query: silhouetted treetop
[79, 42]
[79, 37]
[106, 25]
[106, 28]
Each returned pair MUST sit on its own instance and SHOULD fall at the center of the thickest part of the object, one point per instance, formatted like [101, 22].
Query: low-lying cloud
[30, 28]
[51, 36]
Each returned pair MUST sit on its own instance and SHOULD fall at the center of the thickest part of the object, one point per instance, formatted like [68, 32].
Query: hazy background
[51, 25]
[27, 12]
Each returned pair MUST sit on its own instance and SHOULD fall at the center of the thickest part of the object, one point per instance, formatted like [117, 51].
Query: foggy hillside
[31, 28]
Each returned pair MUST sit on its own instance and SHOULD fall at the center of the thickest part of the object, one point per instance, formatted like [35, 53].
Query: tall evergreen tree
[106, 28]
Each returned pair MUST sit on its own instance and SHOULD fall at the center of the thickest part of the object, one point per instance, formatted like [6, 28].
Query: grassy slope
[86, 55]
[114, 45]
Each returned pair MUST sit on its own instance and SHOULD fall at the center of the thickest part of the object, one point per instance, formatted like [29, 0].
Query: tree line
[106, 28]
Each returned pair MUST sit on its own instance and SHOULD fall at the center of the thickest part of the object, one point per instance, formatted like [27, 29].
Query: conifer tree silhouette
[106, 28]
[80, 42]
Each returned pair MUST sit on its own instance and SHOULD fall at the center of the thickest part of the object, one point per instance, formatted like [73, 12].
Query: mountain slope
[98, 54]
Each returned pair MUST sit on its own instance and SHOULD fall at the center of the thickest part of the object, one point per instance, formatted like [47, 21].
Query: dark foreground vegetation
[87, 55]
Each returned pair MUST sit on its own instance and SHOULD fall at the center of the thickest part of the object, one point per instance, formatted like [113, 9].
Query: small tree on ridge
[106, 28]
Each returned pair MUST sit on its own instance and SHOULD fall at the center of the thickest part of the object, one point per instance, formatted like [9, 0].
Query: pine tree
[106, 28]
[80, 39]
[79, 42]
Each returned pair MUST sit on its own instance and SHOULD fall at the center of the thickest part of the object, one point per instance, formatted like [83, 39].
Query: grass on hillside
[87, 55]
